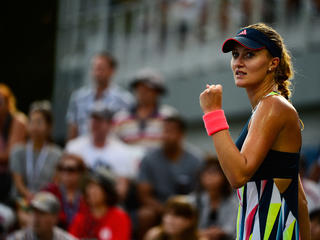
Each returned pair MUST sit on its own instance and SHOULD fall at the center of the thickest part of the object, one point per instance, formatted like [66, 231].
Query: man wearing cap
[142, 124]
[45, 208]
[99, 148]
[81, 101]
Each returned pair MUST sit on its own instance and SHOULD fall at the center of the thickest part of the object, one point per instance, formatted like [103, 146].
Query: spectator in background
[310, 187]
[246, 10]
[7, 219]
[224, 15]
[315, 223]
[103, 67]
[179, 222]
[45, 209]
[167, 171]
[142, 125]
[293, 9]
[99, 148]
[315, 169]
[70, 176]
[316, 6]
[215, 202]
[189, 15]
[103, 220]
[33, 164]
[23, 213]
[13, 130]
[268, 12]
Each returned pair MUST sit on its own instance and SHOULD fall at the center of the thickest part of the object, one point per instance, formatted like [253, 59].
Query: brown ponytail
[284, 72]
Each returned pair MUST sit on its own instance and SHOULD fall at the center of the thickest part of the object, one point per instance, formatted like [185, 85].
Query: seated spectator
[315, 169]
[99, 148]
[13, 130]
[103, 220]
[165, 172]
[70, 174]
[33, 164]
[179, 222]
[310, 187]
[7, 219]
[215, 202]
[142, 125]
[188, 16]
[103, 67]
[23, 213]
[315, 223]
[45, 211]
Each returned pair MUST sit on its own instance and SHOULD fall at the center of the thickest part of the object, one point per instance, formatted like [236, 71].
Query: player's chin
[240, 83]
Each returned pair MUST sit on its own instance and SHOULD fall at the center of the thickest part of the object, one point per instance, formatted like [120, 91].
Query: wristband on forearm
[215, 121]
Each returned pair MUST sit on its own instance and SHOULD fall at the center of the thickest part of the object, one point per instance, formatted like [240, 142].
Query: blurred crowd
[193, 19]
[125, 171]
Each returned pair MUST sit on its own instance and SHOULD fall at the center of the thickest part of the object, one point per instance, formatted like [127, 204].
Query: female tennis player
[263, 164]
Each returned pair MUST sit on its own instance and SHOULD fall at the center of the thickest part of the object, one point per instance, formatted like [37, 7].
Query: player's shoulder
[276, 106]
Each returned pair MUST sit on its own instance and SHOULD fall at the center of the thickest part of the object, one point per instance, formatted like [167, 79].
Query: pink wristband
[215, 121]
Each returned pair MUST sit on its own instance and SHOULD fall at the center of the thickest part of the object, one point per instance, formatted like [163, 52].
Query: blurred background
[48, 46]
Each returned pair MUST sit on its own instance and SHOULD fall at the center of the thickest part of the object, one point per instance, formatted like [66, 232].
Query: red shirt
[114, 225]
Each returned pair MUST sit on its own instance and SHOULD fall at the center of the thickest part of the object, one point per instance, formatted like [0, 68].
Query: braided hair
[284, 72]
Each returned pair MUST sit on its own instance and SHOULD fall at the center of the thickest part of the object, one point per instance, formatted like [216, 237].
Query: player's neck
[257, 93]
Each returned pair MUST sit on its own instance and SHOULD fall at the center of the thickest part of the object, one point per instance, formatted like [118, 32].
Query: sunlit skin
[254, 71]
[250, 66]
[175, 225]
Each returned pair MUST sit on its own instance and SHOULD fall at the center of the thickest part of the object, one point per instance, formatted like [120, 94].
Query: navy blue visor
[252, 39]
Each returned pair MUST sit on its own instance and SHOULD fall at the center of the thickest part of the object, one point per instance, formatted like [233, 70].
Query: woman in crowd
[179, 222]
[215, 202]
[33, 164]
[13, 130]
[264, 162]
[70, 176]
[103, 220]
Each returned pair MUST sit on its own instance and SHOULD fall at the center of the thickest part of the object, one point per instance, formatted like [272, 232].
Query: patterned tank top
[264, 212]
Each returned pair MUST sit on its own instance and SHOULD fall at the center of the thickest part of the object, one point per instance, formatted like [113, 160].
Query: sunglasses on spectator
[68, 169]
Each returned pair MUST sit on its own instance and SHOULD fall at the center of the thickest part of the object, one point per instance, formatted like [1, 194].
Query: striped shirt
[146, 133]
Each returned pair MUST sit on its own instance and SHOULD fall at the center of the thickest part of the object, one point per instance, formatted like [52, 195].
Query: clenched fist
[211, 98]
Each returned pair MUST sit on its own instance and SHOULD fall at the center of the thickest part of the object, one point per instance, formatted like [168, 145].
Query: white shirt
[117, 156]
